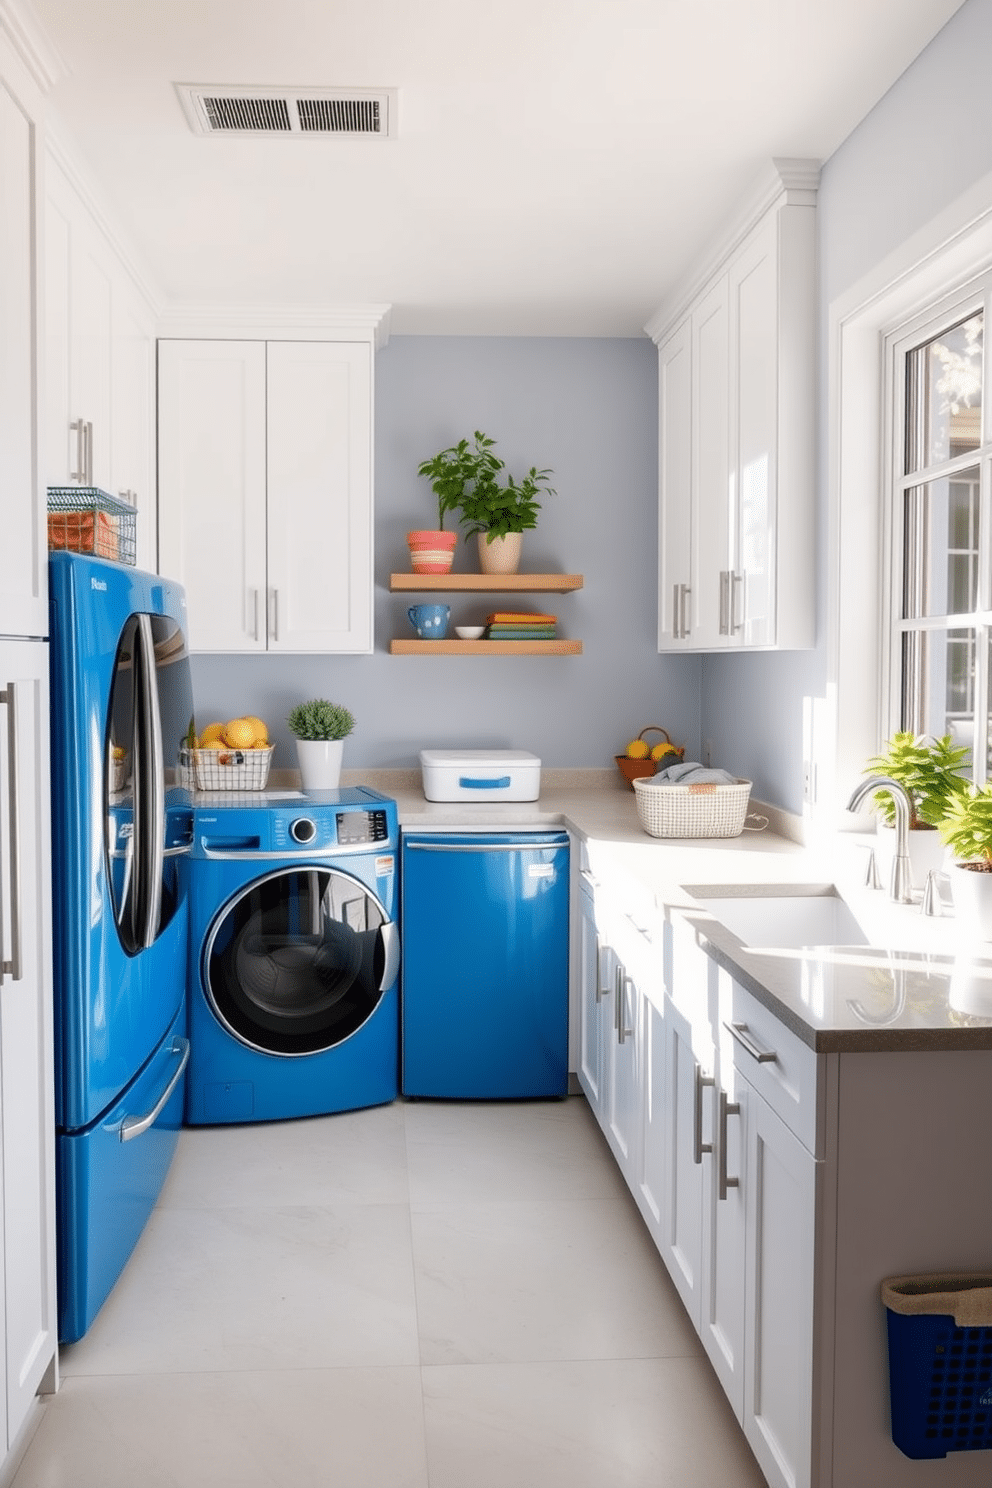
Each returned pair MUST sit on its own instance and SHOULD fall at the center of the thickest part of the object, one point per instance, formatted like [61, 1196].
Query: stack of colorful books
[515, 625]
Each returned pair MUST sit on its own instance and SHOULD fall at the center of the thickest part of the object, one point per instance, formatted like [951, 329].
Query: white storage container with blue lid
[480, 774]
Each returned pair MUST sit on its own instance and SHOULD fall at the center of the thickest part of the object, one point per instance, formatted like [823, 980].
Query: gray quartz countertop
[914, 986]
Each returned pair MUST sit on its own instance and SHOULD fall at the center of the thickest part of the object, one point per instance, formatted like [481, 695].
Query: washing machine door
[299, 960]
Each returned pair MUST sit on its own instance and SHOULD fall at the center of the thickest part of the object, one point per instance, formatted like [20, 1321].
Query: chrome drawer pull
[727, 1108]
[136, 1126]
[701, 1082]
[739, 1031]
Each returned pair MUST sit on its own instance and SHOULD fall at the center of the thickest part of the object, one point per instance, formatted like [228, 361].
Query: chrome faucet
[901, 884]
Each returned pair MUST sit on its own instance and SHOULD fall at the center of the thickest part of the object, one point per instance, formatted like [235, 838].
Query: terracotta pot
[502, 555]
[431, 552]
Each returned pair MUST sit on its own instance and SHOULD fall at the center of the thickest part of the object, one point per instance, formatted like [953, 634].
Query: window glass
[939, 683]
[941, 551]
[944, 395]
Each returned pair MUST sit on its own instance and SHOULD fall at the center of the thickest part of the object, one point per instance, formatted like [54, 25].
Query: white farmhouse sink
[805, 915]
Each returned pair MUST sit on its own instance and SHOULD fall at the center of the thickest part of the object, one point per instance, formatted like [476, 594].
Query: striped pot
[432, 552]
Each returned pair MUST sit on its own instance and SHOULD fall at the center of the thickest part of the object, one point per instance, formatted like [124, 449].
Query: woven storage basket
[701, 810]
[228, 769]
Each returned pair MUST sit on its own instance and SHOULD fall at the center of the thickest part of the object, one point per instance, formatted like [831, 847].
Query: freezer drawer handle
[12, 966]
[497, 782]
[133, 1126]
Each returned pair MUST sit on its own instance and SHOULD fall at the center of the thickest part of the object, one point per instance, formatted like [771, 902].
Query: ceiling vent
[356, 113]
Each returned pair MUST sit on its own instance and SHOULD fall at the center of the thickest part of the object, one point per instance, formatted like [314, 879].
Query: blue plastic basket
[940, 1363]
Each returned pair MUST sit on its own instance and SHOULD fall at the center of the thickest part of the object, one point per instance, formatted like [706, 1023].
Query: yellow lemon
[261, 732]
[212, 731]
[637, 749]
[660, 750]
[213, 744]
[239, 733]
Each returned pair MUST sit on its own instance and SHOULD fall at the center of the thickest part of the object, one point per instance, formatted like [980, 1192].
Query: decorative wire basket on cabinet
[83, 519]
[227, 769]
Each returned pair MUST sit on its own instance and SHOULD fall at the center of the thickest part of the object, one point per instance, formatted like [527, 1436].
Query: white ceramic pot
[502, 555]
[926, 851]
[972, 895]
[320, 763]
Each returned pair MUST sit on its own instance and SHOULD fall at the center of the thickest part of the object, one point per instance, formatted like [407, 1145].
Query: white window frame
[847, 723]
[949, 310]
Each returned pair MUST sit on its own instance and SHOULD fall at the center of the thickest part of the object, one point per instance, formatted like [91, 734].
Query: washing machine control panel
[356, 827]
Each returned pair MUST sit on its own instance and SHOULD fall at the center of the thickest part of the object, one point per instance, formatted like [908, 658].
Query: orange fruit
[211, 732]
[239, 733]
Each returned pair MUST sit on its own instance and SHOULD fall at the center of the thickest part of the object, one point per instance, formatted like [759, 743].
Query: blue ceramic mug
[430, 621]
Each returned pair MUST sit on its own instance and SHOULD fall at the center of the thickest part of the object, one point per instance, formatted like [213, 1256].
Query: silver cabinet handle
[12, 967]
[273, 614]
[89, 453]
[727, 1108]
[78, 427]
[686, 591]
[676, 610]
[701, 1083]
[724, 601]
[601, 991]
[253, 607]
[134, 1126]
[739, 1032]
[736, 594]
[623, 1032]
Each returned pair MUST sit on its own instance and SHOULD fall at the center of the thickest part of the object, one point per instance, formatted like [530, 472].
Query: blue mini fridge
[121, 706]
[484, 968]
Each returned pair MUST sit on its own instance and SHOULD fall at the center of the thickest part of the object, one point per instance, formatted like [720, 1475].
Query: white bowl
[469, 632]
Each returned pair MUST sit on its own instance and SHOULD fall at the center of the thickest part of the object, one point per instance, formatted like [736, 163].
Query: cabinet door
[687, 1135]
[725, 1181]
[780, 1216]
[675, 598]
[595, 1003]
[319, 527]
[211, 452]
[23, 589]
[755, 370]
[711, 483]
[623, 1087]
[26, 1042]
[649, 1190]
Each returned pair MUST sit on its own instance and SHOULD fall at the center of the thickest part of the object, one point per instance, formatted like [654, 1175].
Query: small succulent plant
[319, 719]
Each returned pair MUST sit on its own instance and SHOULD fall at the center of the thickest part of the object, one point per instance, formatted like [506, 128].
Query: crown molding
[359, 322]
[786, 181]
[84, 187]
[34, 48]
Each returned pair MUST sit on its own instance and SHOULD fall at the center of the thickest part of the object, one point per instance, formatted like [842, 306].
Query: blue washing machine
[294, 955]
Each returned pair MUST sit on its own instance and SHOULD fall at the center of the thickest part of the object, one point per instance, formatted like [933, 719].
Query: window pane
[938, 684]
[944, 396]
[940, 560]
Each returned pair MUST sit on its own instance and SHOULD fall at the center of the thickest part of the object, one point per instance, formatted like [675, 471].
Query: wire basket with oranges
[232, 756]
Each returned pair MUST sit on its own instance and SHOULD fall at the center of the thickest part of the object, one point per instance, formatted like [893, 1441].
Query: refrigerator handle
[12, 966]
[150, 807]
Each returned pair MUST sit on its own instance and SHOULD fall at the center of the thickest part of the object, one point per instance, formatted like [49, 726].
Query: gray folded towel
[691, 773]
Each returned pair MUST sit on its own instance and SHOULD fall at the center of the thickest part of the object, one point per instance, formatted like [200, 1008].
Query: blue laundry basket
[940, 1363]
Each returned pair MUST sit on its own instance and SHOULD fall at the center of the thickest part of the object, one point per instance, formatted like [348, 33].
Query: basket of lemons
[641, 758]
[230, 756]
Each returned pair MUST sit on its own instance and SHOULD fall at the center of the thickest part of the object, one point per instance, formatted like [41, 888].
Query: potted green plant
[967, 831]
[453, 474]
[468, 477]
[320, 729]
[930, 772]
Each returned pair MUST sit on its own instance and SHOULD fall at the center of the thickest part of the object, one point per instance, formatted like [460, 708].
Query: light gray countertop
[916, 986]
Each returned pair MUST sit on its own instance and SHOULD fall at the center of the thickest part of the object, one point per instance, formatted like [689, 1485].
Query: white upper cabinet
[99, 346]
[265, 491]
[736, 370]
[24, 585]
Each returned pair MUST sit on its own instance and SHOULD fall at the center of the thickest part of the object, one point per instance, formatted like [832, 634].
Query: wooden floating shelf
[469, 583]
[485, 648]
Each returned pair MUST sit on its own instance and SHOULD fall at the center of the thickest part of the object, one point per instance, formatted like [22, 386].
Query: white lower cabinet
[27, 1182]
[694, 1086]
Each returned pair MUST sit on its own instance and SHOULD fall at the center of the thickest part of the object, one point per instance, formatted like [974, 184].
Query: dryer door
[299, 959]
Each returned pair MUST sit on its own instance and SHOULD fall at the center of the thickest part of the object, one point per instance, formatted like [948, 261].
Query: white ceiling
[559, 162]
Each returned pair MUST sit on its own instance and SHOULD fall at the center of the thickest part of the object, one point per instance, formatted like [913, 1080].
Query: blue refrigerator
[121, 707]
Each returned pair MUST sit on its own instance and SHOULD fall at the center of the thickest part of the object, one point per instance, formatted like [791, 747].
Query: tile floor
[418, 1296]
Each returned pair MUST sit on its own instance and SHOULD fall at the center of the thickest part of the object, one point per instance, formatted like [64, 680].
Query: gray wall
[587, 409]
[921, 147]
